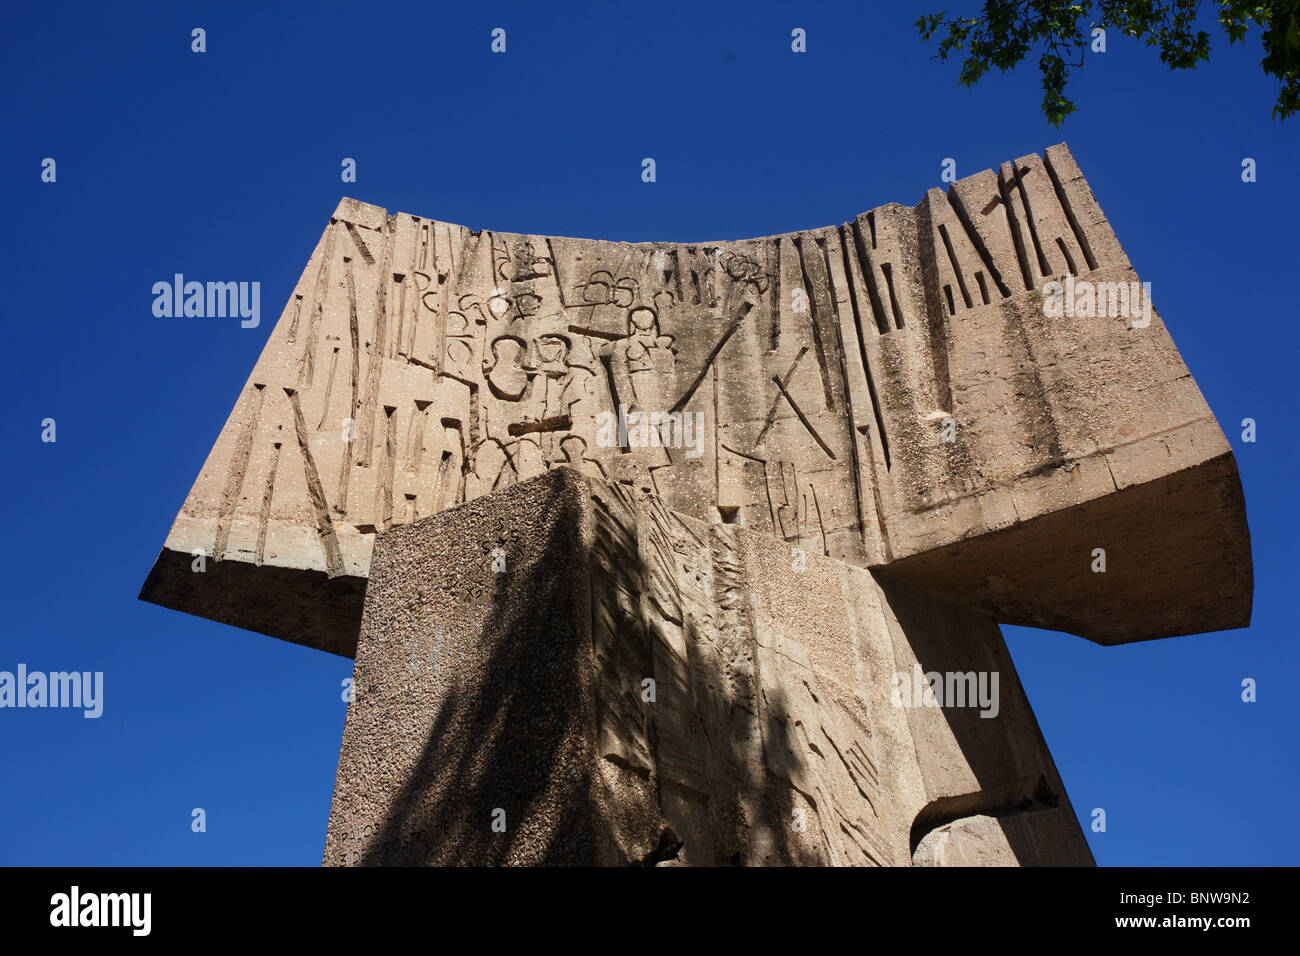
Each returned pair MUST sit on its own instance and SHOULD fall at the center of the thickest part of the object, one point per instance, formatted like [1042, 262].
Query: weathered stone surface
[771, 736]
[714, 632]
[1008, 839]
[821, 373]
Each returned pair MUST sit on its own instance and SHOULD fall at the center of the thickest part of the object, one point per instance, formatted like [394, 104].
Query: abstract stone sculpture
[776, 481]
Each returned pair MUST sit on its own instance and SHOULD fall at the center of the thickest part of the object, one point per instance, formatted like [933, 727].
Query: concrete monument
[669, 553]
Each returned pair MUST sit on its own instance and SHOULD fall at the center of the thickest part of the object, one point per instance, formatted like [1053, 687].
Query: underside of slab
[1147, 561]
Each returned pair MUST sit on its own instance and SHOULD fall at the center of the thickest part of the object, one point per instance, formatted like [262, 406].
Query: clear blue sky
[226, 165]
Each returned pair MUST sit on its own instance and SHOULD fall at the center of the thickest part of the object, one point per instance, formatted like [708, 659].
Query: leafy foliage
[1009, 30]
